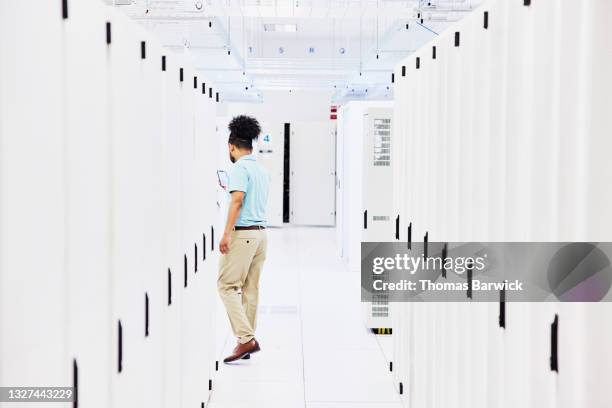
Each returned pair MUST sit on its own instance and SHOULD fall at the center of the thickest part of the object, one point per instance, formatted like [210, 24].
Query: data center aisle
[316, 352]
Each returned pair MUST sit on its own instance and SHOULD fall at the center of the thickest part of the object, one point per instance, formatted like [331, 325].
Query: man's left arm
[237, 198]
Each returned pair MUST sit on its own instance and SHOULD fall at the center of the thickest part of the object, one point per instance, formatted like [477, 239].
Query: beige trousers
[238, 281]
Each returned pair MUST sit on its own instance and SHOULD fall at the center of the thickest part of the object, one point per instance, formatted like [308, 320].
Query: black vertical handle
[169, 287]
[119, 347]
[185, 269]
[365, 219]
[554, 344]
[146, 314]
[425, 245]
[75, 383]
[397, 227]
[410, 236]
[469, 282]
[502, 308]
[195, 258]
[203, 247]
[108, 33]
[444, 256]
[212, 238]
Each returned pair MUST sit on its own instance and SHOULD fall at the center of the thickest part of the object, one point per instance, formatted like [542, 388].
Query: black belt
[250, 227]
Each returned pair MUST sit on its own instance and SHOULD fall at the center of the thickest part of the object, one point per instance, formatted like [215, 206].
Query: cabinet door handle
[554, 344]
[502, 308]
[410, 236]
[185, 270]
[146, 314]
[169, 287]
[75, 383]
[397, 227]
[444, 255]
[119, 347]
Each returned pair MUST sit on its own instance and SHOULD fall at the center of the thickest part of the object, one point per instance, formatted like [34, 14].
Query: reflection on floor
[316, 353]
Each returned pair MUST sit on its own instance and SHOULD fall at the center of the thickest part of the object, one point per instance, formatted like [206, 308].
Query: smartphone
[223, 178]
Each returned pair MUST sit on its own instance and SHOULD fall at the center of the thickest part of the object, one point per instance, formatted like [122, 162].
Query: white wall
[278, 108]
[287, 107]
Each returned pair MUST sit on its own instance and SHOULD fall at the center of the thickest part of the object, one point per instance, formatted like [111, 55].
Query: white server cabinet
[172, 243]
[207, 236]
[32, 208]
[152, 291]
[377, 184]
[400, 311]
[351, 179]
[106, 184]
[270, 154]
[521, 157]
[130, 209]
[88, 203]
[377, 175]
[397, 153]
[349, 184]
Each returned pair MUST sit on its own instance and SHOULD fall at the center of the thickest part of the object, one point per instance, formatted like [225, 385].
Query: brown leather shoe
[243, 350]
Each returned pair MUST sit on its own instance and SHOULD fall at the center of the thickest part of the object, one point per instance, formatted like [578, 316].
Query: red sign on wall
[334, 111]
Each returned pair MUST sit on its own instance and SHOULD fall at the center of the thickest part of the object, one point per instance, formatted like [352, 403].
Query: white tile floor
[316, 353]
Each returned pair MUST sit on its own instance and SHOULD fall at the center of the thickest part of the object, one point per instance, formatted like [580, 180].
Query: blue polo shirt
[248, 176]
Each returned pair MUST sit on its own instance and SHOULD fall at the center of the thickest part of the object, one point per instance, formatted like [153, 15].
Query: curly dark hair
[243, 130]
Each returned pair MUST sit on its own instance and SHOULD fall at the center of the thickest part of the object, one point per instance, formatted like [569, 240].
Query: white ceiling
[348, 45]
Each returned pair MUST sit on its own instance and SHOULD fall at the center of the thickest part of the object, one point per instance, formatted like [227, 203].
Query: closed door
[312, 193]
[270, 154]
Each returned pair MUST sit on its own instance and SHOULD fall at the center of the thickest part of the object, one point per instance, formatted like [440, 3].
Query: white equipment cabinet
[364, 182]
[312, 197]
[377, 183]
[270, 154]
[351, 142]
[107, 210]
[502, 129]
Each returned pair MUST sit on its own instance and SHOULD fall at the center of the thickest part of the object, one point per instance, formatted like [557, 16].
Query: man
[244, 240]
